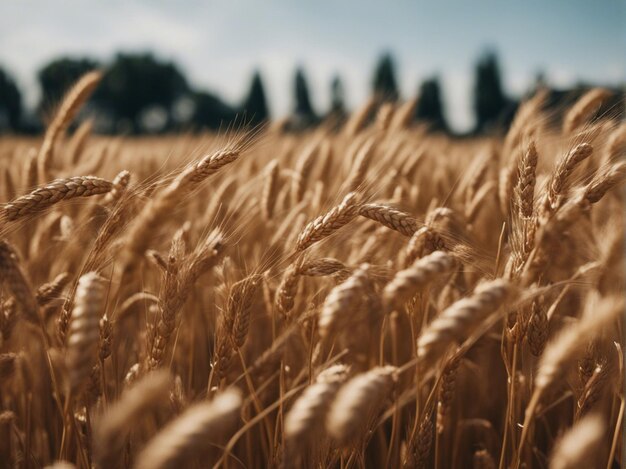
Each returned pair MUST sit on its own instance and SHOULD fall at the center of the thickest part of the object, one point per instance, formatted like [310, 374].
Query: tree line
[141, 93]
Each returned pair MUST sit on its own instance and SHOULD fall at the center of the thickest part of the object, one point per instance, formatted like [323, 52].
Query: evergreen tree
[385, 85]
[255, 104]
[489, 99]
[429, 105]
[303, 108]
[337, 99]
[337, 113]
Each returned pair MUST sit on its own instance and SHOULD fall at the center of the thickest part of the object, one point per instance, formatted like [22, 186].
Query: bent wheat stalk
[70, 106]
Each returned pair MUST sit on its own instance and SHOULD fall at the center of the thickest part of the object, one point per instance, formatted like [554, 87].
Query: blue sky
[218, 44]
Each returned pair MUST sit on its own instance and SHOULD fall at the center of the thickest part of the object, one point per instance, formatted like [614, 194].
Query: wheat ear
[579, 446]
[357, 401]
[525, 189]
[343, 302]
[16, 280]
[119, 185]
[192, 432]
[286, 292]
[239, 307]
[323, 267]
[390, 217]
[311, 407]
[113, 428]
[457, 322]
[142, 229]
[84, 329]
[361, 164]
[562, 350]
[325, 225]
[359, 118]
[406, 283]
[54, 192]
[584, 109]
[561, 176]
[270, 189]
[604, 182]
[70, 106]
[180, 276]
[49, 291]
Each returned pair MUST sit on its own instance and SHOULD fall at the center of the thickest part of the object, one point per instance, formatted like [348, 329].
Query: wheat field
[373, 295]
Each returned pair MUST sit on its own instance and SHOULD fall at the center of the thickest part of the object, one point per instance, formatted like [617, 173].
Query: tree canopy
[210, 112]
[134, 84]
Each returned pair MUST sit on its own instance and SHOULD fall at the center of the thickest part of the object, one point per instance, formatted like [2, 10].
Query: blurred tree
[385, 86]
[337, 99]
[255, 104]
[210, 112]
[56, 77]
[10, 102]
[429, 105]
[136, 84]
[303, 114]
[489, 99]
[303, 100]
[541, 81]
